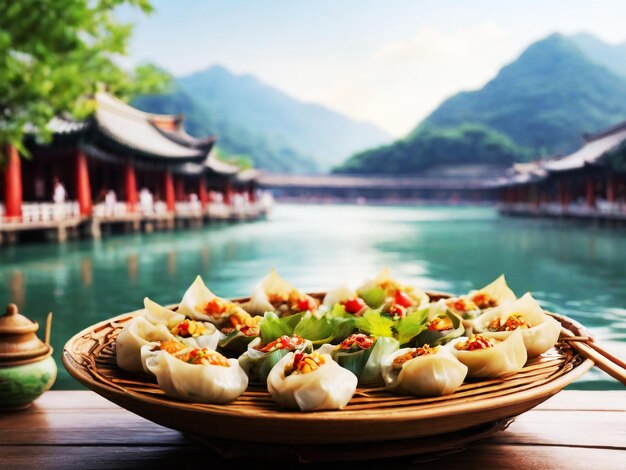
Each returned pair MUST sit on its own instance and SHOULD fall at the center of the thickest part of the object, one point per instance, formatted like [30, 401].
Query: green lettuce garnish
[410, 326]
[273, 327]
[319, 330]
[373, 323]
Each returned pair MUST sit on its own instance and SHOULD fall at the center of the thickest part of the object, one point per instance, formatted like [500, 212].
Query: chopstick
[603, 359]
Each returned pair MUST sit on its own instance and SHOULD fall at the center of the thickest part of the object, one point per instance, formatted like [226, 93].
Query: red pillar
[83, 187]
[170, 197]
[13, 184]
[131, 188]
[180, 189]
[610, 188]
[590, 192]
[252, 193]
[202, 194]
[228, 192]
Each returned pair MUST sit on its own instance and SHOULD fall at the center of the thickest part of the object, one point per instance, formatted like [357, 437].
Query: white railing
[110, 210]
[189, 208]
[41, 212]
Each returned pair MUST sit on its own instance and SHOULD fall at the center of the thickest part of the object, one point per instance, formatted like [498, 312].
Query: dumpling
[260, 358]
[480, 301]
[490, 357]
[310, 382]
[199, 303]
[385, 290]
[424, 371]
[274, 294]
[133, 336]
[194, 374]
[539, 331]
[362, 355]
[493, 295]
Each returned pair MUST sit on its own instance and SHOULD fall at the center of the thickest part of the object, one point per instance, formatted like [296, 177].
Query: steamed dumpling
[260, 358]
[194, 374]
[489, 357]
[424, 372]
[274, 294]
[133, 336]
[539, 331]
[310, 382]
[480, 301]
[199, 303]
[384, 290]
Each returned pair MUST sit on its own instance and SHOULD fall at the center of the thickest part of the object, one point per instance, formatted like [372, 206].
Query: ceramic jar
[27, 368]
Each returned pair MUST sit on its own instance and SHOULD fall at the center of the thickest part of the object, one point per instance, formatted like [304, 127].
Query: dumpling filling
[245, 323]
[286, 343]
[204, 357]
[172, 346]
[304, 363]
[475, 343]
[189, 329]
[483, 300]
[441, 324]
[425, 350]
[356, 342]
[510, 323]
[295, 301]
[217, 308]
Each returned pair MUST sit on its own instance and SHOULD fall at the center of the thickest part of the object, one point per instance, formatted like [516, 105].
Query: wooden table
[79, 429]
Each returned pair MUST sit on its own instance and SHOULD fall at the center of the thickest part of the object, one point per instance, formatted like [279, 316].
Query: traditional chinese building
[588, 183]
[121, 165]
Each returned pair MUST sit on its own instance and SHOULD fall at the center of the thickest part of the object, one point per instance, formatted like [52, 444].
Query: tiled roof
[595, 147]
[133, 128]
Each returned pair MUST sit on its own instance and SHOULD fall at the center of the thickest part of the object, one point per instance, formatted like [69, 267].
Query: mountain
[613, 57]
[542, 103]
[275, 130]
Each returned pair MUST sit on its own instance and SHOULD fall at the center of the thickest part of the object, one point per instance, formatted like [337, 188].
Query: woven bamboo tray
[399, 425]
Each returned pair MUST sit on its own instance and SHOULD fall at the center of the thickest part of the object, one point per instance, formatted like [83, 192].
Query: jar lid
[18, 339]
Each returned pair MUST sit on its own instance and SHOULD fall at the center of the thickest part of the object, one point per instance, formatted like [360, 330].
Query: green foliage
[54, 55]
[467, 143]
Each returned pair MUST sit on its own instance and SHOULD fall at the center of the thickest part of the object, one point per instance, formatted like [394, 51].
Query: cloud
[410, 77]
[434, 46]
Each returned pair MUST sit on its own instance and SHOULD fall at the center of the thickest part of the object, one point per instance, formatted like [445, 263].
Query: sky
[389, 62]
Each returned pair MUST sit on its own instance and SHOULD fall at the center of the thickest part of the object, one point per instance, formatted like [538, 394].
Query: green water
[577, 271]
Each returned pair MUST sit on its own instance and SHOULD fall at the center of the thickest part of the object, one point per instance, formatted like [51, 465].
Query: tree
[55, 54]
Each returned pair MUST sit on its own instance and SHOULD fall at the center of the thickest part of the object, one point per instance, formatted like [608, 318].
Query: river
[579, 271]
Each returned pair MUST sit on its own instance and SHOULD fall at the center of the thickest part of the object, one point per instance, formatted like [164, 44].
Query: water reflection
[578, 271]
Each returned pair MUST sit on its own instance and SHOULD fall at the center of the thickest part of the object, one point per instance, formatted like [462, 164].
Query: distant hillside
[541, 104]
[613, 57]
[278, 132]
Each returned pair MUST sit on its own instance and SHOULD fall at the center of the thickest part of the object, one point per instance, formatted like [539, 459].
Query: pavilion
[588, 183]
[122, 164]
